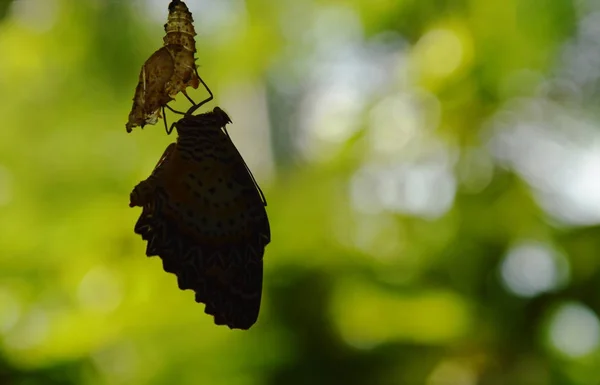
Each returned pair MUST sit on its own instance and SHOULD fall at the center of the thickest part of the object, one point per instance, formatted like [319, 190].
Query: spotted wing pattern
[168, 71]
[203, 214]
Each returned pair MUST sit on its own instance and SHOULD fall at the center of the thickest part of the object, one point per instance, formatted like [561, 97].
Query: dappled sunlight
[423, 188]
[368, 316]
[399, 121]
[6, 186]
[380, 236]
[253, 132]
[30, 332]
[10, 311]
[118, 363]
[531, 268]
[474, 169]
[99, 291]
[38, 15]
[452, 372]
[556, 151]
[432, 173]
[345, 72]
[574, 330]
[438, 53]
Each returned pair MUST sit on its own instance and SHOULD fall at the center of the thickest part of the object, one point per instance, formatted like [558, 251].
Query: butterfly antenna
[262, 196]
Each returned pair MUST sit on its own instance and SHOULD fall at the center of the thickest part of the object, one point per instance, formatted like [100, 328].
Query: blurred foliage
[4, 6]
[408, 284]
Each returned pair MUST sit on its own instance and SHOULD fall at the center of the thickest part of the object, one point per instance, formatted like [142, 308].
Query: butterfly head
[221, 116]
[215, 119]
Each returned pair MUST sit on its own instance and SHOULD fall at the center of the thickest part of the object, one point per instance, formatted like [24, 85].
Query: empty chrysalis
[169, 71]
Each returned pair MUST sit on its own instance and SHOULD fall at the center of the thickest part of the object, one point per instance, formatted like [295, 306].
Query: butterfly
[204, 215]
[168, 71]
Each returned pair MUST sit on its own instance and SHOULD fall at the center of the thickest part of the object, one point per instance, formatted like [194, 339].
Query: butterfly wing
[208, 223]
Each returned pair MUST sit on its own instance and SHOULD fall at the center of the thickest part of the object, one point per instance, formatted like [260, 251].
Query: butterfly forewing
[207, 220]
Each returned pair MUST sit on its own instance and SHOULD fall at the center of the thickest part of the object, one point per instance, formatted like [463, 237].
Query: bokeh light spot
[452, 372]
[30, 332]
[99, 290]
[119, 363]
[574, 330]
[38, 15]
[531, 268]
[556, 151]
[6, 186]
[10, 311]
[399, 119]
[425, 189]
[439, 52]
[367, 315]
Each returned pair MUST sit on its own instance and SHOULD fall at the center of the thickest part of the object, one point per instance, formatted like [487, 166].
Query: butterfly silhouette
[204, 215]
[168, 71]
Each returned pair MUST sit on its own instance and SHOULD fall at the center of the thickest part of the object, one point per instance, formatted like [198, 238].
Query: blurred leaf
[4, 7]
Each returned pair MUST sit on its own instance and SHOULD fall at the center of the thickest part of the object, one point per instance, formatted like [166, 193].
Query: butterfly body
[204, 216]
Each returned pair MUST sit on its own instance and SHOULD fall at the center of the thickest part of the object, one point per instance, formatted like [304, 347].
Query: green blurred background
[432, 170]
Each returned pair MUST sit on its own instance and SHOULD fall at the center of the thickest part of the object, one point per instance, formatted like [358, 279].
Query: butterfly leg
[196, 106]
[171, 128]
[173, 110]
[165, 117]
[188, 97]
